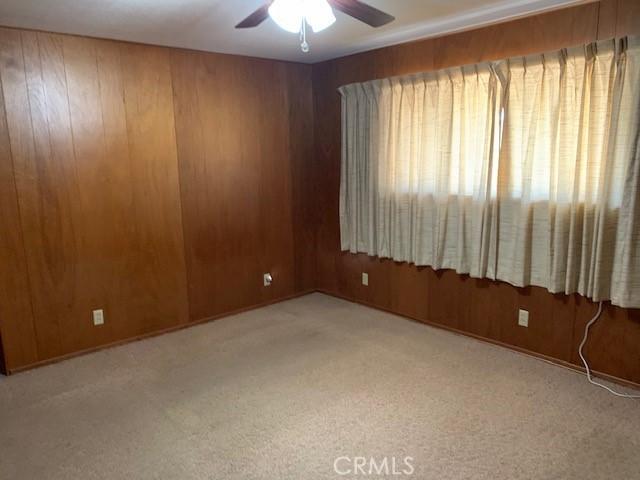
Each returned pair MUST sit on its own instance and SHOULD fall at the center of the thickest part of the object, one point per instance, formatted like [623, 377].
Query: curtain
[525, 170]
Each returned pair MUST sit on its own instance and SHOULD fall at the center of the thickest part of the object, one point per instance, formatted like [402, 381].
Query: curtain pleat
[524, 170]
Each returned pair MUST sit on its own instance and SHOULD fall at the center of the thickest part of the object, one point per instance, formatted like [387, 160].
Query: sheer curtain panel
[525, 170]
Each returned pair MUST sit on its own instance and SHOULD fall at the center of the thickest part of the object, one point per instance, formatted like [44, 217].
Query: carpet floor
[283, 391]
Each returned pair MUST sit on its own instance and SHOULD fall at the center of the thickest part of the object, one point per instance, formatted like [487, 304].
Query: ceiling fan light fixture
[318, 14]
[289, 14]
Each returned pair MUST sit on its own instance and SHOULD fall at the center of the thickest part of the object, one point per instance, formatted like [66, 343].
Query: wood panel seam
[28, 267]
[180, 188]
[20, 224]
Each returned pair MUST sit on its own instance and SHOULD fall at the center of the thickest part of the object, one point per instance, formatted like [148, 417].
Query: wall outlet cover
[98, 317]
[523, 318]
[365, 279]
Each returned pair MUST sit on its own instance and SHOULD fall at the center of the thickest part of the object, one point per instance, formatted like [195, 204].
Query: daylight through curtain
[524, 170]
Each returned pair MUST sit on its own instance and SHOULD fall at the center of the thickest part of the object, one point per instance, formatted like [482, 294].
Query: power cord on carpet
[586, 365]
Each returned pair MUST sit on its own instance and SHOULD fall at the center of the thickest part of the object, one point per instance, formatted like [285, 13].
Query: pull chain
[304, 46]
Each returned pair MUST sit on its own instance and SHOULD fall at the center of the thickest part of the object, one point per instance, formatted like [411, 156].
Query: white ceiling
[209, 24]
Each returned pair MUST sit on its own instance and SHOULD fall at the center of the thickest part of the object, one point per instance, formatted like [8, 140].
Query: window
[516, 170]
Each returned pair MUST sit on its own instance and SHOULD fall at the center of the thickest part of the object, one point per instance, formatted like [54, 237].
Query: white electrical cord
[586, 365]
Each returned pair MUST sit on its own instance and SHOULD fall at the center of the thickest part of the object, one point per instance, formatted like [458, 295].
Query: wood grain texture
[479, 307]
[155, 184]
[299, 93]
[160, 184]
[17, 331]
[628, 18]
[160, 297]
[607, 19]
[35, 172]
[235, 124]
[97, 232]
[613, 341]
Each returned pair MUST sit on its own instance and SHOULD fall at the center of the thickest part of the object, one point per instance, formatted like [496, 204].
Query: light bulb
[318, 14]
[288, 14]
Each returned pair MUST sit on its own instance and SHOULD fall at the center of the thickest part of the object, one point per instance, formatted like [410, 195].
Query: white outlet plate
[523, 318]
[267, 279]
[98, 317]
[365, 279]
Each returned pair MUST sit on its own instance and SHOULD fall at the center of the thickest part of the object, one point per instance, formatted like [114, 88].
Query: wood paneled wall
[225, 177]
[154, 183]
[476, 307]
[160, 184]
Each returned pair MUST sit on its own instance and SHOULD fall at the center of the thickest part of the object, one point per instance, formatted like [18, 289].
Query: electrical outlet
[523, 318]
[267, 279]
[98, 317]
[365, 279]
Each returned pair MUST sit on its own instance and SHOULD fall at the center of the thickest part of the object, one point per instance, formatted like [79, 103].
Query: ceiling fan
[294, 15]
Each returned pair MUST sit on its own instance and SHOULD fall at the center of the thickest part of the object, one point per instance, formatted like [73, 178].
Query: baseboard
[155, 333]
[555, 361]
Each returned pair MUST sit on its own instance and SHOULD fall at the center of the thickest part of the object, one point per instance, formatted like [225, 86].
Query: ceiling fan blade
[256, 18]
[363, 12]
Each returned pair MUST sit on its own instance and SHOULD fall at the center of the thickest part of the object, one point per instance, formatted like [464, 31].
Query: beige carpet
[281, 392]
